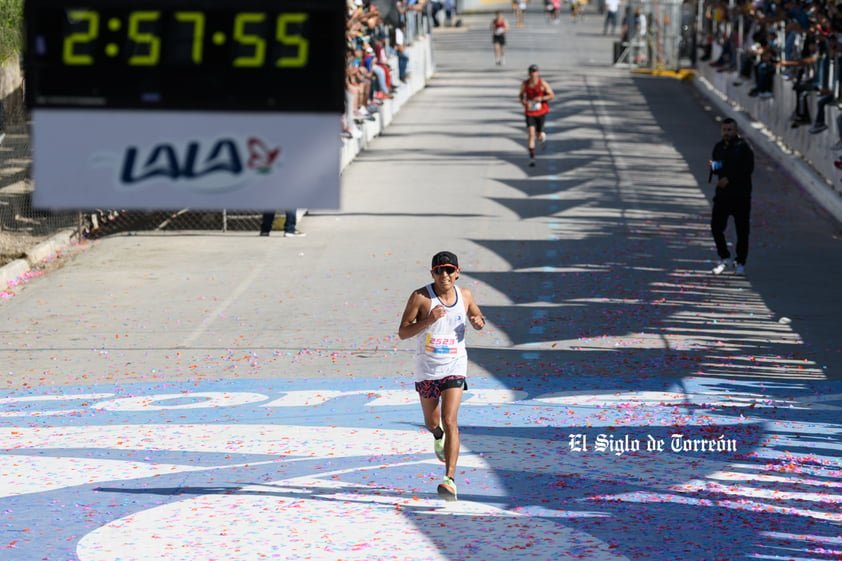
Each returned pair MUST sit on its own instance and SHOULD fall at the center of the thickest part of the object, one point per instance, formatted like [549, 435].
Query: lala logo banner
[184, 160]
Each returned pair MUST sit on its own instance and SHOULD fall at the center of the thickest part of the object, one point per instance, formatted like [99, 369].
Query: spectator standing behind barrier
[535, 93]
[642, 36]
[797, 23]
[807, 81]
[831, 52]
[400, 51]
[611, 9]
[436, 7]
[449, 8]
[750, 57]
[499, 27]
[290, 230]
[629, 27]
[764, 74]
[732, 162]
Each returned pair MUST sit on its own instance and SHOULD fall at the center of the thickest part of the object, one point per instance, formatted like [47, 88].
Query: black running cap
[533, 68]
[445, 258]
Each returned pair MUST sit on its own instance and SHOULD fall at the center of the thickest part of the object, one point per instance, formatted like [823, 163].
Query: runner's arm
[416, 316]
[549, 94]
[474, 313]
[522, 95]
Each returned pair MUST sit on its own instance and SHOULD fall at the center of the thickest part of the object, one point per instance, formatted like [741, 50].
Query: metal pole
[700, 26]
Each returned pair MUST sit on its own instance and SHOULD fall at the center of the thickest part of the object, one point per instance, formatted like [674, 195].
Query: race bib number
[438, 346]
[535, 106]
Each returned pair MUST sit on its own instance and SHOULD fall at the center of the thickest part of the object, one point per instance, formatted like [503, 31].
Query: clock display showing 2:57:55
[148, 38]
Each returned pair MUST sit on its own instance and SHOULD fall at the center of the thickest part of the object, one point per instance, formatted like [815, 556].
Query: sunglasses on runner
[441, 269]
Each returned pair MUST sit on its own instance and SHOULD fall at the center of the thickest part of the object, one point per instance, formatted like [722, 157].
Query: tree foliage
[11, 28]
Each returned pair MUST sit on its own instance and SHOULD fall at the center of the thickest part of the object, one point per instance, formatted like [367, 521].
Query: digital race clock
[217, 55]
[170, 104]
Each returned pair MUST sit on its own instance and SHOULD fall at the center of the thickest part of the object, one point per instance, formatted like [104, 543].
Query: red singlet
[533, 92]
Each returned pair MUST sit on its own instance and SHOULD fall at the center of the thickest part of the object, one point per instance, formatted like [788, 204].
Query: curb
[11, 273]
[677, 74]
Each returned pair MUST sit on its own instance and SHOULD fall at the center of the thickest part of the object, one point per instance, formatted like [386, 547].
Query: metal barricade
[663, 39]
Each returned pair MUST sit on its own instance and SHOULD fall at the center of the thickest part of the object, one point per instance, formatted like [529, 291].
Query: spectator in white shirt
[611, 9]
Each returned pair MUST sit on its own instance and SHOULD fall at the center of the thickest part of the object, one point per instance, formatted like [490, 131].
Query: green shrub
[11, 28]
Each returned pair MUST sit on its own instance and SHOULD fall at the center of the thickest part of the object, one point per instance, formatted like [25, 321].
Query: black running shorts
[432, 389]
[537, 122]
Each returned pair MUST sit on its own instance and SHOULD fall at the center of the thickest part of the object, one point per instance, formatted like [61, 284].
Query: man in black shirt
[733, 163]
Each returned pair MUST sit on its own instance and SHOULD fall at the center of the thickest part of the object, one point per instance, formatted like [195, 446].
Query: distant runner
[535, 93]
[519, 7]
[499, 27]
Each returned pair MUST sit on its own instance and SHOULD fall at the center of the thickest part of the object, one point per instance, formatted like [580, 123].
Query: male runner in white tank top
[436, 315]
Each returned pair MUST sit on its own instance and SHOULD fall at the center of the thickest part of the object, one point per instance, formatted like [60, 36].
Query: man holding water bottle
[732, 163]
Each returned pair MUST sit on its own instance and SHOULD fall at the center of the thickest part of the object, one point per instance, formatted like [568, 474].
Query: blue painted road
[698, 469]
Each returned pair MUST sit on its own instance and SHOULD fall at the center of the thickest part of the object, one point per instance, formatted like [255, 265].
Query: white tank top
[440, 349]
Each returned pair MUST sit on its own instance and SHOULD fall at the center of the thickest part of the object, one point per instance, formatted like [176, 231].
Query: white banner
[162, 160]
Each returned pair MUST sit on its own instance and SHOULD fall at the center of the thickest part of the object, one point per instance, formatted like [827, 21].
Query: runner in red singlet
[535, 93]
[499, 27]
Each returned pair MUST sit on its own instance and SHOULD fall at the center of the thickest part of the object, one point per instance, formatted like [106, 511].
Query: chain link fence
[106, 223]
[21, 226]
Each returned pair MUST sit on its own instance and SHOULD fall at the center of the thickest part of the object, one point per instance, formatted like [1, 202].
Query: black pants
[269, 219]
[802, 108]
[740, 209]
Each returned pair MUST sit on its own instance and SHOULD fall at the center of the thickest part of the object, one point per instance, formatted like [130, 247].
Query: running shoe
[447, 489]
[438, 447]
[295, 234]
[543, 139]
[532, 162]
[720, 268]
[739, 269]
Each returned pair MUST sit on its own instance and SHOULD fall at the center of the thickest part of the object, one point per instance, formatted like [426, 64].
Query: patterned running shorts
[432, 389]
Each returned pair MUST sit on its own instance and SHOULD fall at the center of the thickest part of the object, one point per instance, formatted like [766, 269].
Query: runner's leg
[451, 398]
[432, 413]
